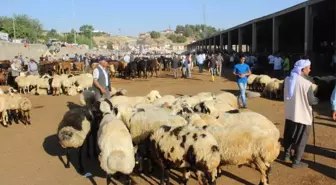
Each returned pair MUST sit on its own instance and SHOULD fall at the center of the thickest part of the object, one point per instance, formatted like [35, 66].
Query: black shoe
[299, 165]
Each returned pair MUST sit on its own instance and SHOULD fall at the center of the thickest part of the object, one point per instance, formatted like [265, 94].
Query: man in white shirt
[32, 67]
[126, 58]
[277, 61]
[200, 61]
[101, 81]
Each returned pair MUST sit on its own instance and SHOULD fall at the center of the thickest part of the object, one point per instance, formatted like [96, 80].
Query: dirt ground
[29, 154]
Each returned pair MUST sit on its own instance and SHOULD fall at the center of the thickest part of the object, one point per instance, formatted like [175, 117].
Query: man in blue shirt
[333, 103]
[242, 71]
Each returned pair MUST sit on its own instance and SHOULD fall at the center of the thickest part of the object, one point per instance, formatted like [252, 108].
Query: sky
[137, 16]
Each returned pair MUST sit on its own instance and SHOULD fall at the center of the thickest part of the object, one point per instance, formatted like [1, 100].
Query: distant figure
[333, 103]
[66, 57]
[15, 70]
[200, 61]
[87, 62]
[299, 98]
[126, 58]
[242, 71]
[286, 66]
[334, 62]
[219, 61]
[277, 60]
[32, 67]
[212, 67]
[175, 66]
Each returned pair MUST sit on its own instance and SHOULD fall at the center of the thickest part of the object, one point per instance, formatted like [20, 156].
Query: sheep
[85, 81]
[23, 84]
[204, 96]
[201, 120]
[229, 98]
[3, 110]
[250, 81]
[115, 143]
[185, 147]
[73, 90]
[169, 99]
[213, 107]
[73, 131]
[261, 81]
[132, 101]
[274, 88]
[12, 105]
[25, 107]
[244, 144]
[56, 85]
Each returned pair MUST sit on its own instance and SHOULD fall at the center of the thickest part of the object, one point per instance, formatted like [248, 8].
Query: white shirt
[200, 59]
[96, 74]
[277, 63]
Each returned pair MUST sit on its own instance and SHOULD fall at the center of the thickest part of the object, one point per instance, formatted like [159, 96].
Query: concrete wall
[9, 50]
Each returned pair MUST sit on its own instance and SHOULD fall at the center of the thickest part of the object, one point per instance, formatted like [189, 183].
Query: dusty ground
[29, 154]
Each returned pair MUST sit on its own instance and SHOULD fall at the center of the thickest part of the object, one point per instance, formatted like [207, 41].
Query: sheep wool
[115, 143]
[229, 98]
[74, 128]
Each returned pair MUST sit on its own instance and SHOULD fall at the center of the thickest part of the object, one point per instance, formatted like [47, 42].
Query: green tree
[52, 34]
[181, 39]
[86, 30]
[155, 35]
[25, 27]
[188, 32]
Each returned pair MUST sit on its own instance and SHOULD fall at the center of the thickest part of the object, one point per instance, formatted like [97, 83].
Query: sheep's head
[105, 106]
[153, 95]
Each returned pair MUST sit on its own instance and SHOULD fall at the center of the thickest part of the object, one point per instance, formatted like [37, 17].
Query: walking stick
[314, 134]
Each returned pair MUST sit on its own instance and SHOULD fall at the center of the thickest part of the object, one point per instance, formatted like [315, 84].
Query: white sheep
[186, 147]
[85, 81]
[250, 81]
[214, 107]
[3, 110]
[229, 98]
[166, 99]
[132, 101]
[25, 108]
[273, 88]
[204, 96]
[115, 143]
[244, 144]
[56, 84]
[261, 81]
[23, 84]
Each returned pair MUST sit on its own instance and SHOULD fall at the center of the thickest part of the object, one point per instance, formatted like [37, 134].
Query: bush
[155, 35]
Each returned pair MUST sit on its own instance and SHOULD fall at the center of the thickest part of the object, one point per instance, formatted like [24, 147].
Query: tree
[52, 34]
[188, 32]
[155, 35]
[181, 39]
[86, 30]
[25, 27]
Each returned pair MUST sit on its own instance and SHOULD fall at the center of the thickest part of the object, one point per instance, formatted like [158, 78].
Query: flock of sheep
[199, 133]
[273, 87]
[57, 84]
[14, 107]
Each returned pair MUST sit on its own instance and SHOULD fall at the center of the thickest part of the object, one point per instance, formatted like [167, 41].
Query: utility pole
[205, 29]
[73, 13]
[14, 28]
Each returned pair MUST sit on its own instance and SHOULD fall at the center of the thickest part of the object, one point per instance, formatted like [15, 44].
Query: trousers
[242, 89]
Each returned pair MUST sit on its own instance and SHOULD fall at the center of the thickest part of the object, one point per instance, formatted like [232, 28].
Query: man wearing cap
[32, 67]
[101, 81]
[299, 98]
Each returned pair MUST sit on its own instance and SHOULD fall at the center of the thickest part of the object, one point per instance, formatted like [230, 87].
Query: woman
[299, 98]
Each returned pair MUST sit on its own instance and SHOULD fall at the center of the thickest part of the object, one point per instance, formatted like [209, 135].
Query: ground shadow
[318, 167]
[326, 124]
[52, 147]
[235, 92]
[232, 176]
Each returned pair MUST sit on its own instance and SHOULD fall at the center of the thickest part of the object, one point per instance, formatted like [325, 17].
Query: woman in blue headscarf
[299, 98]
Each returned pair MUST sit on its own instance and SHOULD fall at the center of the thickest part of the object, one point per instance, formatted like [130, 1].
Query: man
[126, 58]
[334, 62]
[16, 67]
[286, 66]
[200, 60]
[299, 98]
[219, 60]
[101, 81]
[32, 67]
[175, 65]
[333, 103]
[242, 71]
[87, 62]
[212, 67]
[277, 60]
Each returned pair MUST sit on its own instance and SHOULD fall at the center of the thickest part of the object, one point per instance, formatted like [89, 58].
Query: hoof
[6, 126]
[67, 166]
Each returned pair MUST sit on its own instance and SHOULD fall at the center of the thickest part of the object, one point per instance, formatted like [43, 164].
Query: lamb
[23, 84]
[73, 131]
[115, 143]
[250, 81]
[185, 147]
[56, 85]
[132, 101]
[85, 81]
[244, 144]
[12, 105]
[261, 81]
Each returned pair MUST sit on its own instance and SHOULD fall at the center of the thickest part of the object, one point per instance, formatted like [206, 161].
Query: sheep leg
[167, 175]
[150, 166]
[80, 161]
[3, 119]
[28, 117]
[128, 180]
[264, 170]
[9, 117]
[108, 178]
[15, 116]
[67, 165]
[186, 175]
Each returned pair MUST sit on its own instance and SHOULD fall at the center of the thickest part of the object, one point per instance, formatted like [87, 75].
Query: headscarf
[296, 71]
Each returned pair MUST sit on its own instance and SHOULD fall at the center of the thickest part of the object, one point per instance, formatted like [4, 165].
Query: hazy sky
[135, 16]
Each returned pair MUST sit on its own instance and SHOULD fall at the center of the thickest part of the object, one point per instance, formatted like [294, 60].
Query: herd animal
[273, 88]
[198, 133]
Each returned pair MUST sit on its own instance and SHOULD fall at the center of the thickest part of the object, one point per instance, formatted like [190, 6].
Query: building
[178, 47]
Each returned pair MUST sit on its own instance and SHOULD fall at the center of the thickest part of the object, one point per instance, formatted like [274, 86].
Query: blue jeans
[200, 66]
[242, 89]
[212, 71]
